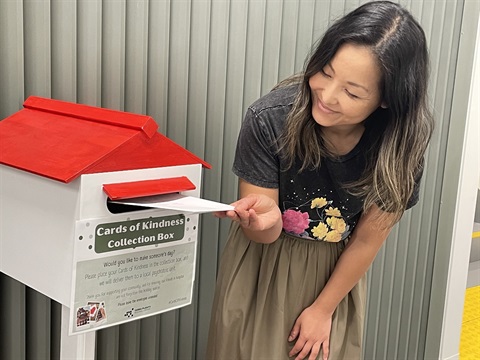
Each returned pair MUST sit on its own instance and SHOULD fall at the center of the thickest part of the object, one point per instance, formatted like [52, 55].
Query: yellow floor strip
[470, 337]
[476, 234]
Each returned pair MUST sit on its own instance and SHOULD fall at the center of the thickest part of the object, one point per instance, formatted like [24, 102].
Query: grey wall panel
[195, 66]
[11, 65]
[196, 100]
[38, 323]
[179, 54]
[288, 31]
[107, 343]
[110, 40]
[136, 50]
[158, 60]
[64, 50]
[87, 42]
[37, 48]
[271, 46]
[12, 328]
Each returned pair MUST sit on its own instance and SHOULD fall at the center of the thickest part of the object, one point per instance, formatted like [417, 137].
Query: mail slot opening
[117, 208]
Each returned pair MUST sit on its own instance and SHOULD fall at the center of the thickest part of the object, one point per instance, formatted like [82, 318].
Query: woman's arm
[257, 212]
[312, 328]
[367, 238]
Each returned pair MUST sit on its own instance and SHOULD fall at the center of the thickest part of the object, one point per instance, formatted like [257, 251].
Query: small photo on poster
[91, 314]
[83, 316]
[97, 311]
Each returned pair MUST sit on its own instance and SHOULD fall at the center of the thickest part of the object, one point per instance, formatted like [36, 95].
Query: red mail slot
[134, 189]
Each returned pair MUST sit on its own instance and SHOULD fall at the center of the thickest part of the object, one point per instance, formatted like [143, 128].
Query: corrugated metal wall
[194, 65]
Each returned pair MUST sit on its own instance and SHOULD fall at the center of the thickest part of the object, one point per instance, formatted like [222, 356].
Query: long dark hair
[399, 45]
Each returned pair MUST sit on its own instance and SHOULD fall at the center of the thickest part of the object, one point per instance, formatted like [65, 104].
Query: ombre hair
[398, 43]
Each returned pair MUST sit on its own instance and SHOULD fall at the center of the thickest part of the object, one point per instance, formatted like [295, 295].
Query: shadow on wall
[477, 209]
[475, 250]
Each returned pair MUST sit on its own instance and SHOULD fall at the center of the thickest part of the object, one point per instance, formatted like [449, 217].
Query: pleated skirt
[262, 289]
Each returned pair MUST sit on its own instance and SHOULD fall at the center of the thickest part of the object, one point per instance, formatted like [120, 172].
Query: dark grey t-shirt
[314, 203]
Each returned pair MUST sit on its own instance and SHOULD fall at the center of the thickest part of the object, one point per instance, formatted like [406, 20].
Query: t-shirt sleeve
[256, 159]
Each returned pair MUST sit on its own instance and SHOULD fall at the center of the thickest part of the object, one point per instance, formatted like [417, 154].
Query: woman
[328, 162]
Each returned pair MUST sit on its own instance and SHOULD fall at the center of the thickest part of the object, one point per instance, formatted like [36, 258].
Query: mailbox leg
[75, 347]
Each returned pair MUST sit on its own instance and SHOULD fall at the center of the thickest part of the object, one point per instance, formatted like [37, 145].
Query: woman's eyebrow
[350, 82]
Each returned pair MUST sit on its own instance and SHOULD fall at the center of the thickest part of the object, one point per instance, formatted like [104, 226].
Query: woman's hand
[254, 212]
[257, 212]
[312, 332]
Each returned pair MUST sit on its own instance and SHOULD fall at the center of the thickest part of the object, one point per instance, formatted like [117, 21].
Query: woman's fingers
[315, 350]
[307, 349]
[299, 344]
[326, 349]
[220, 214]
[304, 352]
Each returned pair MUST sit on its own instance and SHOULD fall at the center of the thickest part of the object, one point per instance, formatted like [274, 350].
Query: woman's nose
[329, 95]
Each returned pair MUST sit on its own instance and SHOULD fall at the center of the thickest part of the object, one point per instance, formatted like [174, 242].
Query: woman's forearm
[351, 266]
[354, 262]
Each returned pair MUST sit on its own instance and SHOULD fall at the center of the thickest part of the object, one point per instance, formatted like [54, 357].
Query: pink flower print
[295, 222]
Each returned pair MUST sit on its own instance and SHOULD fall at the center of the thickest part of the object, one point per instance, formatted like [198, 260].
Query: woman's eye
[351, 95]
[325, 74]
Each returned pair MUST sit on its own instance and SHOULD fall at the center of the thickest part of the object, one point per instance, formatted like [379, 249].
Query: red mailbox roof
[62, 140]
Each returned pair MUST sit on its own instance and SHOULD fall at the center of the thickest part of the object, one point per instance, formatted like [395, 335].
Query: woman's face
[346, 92]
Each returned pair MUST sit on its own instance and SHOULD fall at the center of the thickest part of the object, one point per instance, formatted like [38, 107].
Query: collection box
[61, 164]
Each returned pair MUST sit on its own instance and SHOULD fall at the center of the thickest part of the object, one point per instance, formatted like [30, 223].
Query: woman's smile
[324, 108]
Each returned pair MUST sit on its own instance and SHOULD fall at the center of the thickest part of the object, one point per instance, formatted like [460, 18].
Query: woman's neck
[340, 141]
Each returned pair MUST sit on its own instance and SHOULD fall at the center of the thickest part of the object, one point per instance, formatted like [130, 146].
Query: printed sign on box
[128, 268]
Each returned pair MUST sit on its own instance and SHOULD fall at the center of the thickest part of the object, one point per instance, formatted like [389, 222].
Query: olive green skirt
[262, 289]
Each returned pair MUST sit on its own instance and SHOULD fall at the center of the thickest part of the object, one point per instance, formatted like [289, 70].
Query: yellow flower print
[320, 231]
[318, 203]
[337, 224]
[333, 236]
[333, 212]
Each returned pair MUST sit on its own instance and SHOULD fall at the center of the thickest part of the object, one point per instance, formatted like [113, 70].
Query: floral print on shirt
[321, 222]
